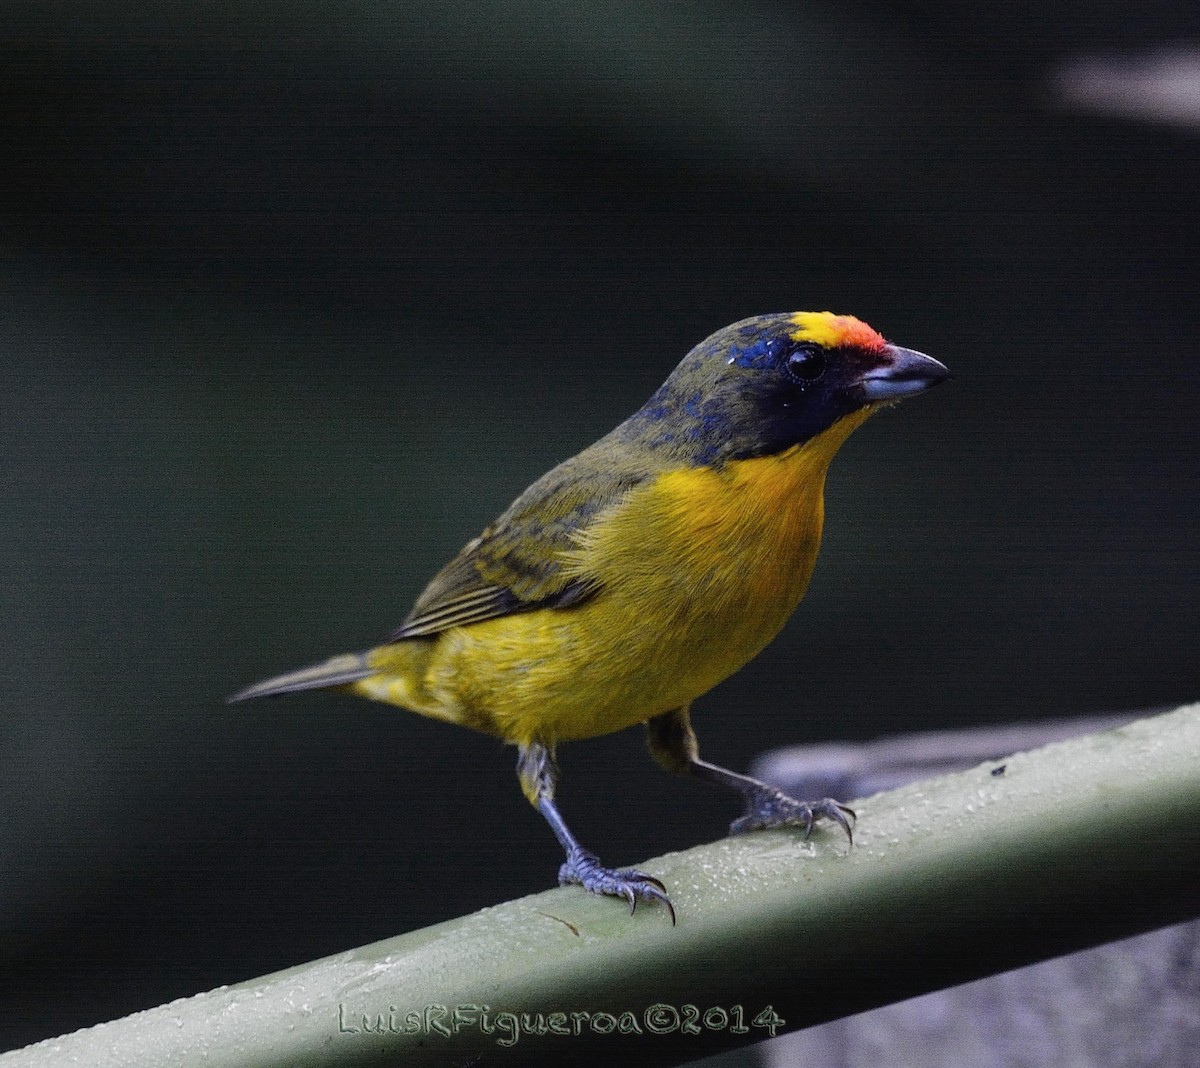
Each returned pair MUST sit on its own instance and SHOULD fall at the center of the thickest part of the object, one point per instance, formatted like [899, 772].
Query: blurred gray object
[1123, 1005]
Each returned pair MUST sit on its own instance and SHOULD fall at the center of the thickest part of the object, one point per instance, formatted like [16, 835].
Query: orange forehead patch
[829, 330]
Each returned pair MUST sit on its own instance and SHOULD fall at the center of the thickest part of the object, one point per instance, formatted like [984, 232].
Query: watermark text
[509, 1027]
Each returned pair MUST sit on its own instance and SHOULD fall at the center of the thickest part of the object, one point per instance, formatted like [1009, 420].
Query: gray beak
[903, 373]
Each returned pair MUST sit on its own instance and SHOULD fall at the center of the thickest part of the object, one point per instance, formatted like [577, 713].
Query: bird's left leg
[538, 772]
[673, 744]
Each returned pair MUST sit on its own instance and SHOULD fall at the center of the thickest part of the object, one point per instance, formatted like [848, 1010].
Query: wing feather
[523, 560]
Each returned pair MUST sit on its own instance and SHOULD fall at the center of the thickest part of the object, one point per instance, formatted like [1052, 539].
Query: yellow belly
[698, 569]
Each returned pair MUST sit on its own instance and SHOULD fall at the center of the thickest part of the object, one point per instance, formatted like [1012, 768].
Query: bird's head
[764, 384]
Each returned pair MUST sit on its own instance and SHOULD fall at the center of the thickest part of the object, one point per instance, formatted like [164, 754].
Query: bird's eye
[806, 364]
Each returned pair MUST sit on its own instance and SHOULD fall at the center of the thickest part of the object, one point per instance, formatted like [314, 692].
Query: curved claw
[838, 814]
[650, 879]
[650, 893]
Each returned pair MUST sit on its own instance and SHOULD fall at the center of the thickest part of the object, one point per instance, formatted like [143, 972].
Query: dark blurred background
[296, 297]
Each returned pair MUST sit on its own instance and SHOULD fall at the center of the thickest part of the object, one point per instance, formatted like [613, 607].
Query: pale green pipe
[1082, 842]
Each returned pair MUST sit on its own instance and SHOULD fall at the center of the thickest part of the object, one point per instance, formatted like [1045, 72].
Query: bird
[632, 578]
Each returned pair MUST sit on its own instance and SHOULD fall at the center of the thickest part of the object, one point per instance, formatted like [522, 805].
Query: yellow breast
[699, 569]
[716, 558]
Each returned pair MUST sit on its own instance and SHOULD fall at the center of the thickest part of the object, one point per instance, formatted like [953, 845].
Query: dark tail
[349, 667]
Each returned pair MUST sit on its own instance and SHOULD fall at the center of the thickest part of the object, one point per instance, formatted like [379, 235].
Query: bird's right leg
[673, 744]
[538, 772]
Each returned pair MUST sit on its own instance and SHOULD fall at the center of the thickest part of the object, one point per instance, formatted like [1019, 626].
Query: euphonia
[638, 574]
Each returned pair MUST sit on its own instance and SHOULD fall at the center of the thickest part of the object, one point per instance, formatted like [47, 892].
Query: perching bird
[635, 576]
